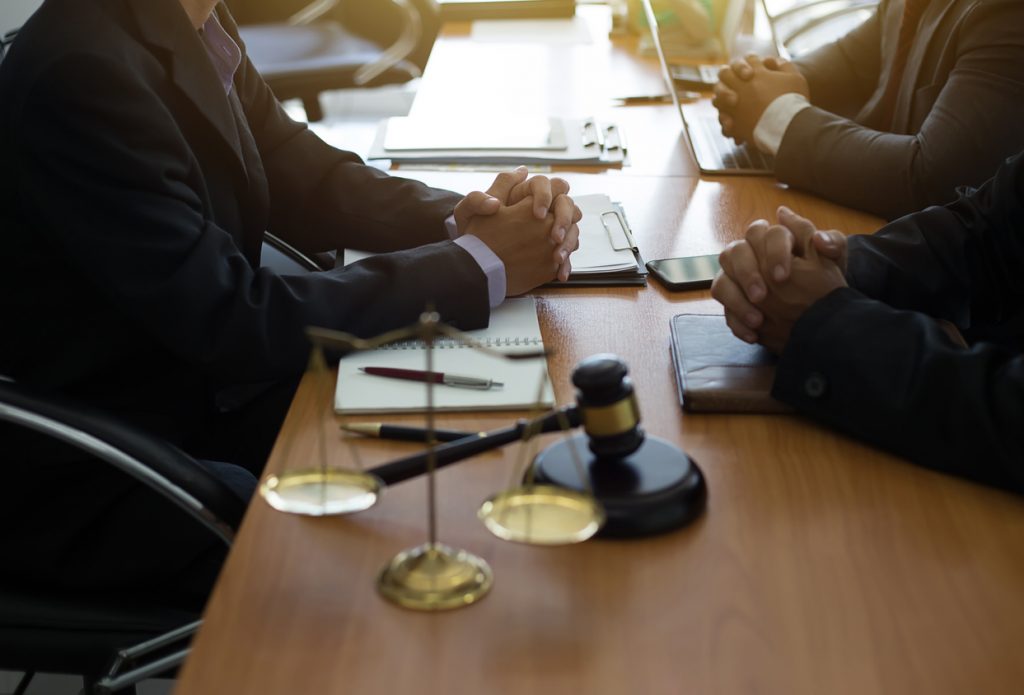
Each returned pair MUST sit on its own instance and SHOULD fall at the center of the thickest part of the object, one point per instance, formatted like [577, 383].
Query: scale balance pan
[542, 515]
[319, 492]
[655, 489]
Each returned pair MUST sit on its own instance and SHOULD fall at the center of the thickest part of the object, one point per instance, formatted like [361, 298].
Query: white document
[405, 134]
[513, 328]
[571, 141]
[605, 246]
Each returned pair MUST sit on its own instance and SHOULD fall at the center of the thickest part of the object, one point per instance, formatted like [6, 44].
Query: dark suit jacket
[135, 194]
[958, 114]
[872, 360]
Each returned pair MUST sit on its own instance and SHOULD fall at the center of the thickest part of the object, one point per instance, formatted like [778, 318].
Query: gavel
[645, 484]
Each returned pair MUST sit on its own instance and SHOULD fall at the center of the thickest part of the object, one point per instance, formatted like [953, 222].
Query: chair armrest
[313, 11]
[153, 462]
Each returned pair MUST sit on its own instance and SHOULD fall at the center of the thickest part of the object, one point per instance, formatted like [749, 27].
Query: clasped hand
[771, 277]
[529, 223]
[747, 87]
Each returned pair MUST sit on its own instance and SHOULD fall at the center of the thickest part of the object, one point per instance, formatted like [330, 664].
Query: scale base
[655, 489]
[434, 577]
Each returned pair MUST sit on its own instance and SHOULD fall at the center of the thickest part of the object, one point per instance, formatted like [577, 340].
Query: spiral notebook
[513, 328]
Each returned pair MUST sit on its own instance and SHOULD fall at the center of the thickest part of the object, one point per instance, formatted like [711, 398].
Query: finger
[739, 329]
[780, 64]
[730, 78]
[724, 98]
[776, 253]
[564, 210]
[559, 187]
[741, 69]
[570, 243]
[577, 214]
[739, 262]
[829, 243]
[756, 230]
[754, 62]
[540, 189]
[726, 122]
[731, 296]
[475, 203]
[801, 227]
[480, 203]
[505, 182]
[565, 270]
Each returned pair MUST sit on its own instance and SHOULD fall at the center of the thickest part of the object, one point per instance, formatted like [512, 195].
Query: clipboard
[586, 141]
[617, 233]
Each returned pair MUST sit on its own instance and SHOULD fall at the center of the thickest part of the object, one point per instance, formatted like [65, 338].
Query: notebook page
[514, 327]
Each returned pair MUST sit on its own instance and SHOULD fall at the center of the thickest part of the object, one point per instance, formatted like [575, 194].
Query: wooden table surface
[820, 566]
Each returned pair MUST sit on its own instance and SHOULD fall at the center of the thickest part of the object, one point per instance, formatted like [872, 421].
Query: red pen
[464, 382]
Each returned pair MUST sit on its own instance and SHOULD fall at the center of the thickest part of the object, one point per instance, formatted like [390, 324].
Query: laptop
[714, 152]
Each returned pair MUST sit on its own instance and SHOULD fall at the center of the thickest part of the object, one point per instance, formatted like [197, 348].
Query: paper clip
[623, 231]
[614, 139]
[592, 135]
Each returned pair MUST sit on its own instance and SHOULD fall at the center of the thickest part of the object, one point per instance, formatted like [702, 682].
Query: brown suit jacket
[958, 114]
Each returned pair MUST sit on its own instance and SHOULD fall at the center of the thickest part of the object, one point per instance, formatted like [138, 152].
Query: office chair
[284, 259]
[800, 26]
[113, 641]
[312, 51]
[5, 41]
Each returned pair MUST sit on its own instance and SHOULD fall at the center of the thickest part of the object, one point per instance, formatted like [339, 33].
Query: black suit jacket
[957, 116]
[135, 194]
[872, 360]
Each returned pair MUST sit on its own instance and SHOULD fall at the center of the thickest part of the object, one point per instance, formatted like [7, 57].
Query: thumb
[475, 204]
[829, 244]
[780, 64]
[480, 203]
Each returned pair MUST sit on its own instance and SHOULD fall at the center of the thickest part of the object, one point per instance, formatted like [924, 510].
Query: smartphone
[695, 76]
[685, 273]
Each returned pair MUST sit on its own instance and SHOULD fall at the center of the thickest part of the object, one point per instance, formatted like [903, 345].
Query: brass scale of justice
[625, 485]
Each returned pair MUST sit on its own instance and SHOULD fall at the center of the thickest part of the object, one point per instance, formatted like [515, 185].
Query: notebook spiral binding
[455, 343]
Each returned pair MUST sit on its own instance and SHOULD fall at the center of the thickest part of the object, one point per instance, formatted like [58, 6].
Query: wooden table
[820, 566]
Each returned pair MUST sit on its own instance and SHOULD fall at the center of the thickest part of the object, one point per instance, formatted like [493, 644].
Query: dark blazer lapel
[164, 25]
[931, 24]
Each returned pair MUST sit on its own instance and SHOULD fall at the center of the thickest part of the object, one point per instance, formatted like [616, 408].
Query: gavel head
[607, 406]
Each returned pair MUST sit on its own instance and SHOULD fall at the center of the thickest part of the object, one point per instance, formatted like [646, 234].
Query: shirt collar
[224, 53]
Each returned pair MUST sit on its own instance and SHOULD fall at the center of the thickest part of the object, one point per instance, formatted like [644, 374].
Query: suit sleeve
[872, 361]
[843, 74]
[119, 201]
[323, 198]
[973, 124]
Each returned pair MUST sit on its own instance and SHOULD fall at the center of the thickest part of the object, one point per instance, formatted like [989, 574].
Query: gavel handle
[445, 454]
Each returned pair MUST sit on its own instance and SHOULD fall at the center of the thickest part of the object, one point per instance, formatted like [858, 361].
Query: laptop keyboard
[730, 155]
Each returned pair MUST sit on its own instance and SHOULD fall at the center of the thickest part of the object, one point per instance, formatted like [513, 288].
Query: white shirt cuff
[453, 229]
[494, 269]
[775, 120]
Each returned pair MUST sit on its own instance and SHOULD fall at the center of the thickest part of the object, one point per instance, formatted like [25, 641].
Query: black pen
[406, 434]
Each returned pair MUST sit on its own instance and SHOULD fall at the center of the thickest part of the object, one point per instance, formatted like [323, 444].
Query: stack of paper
[408, 139]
